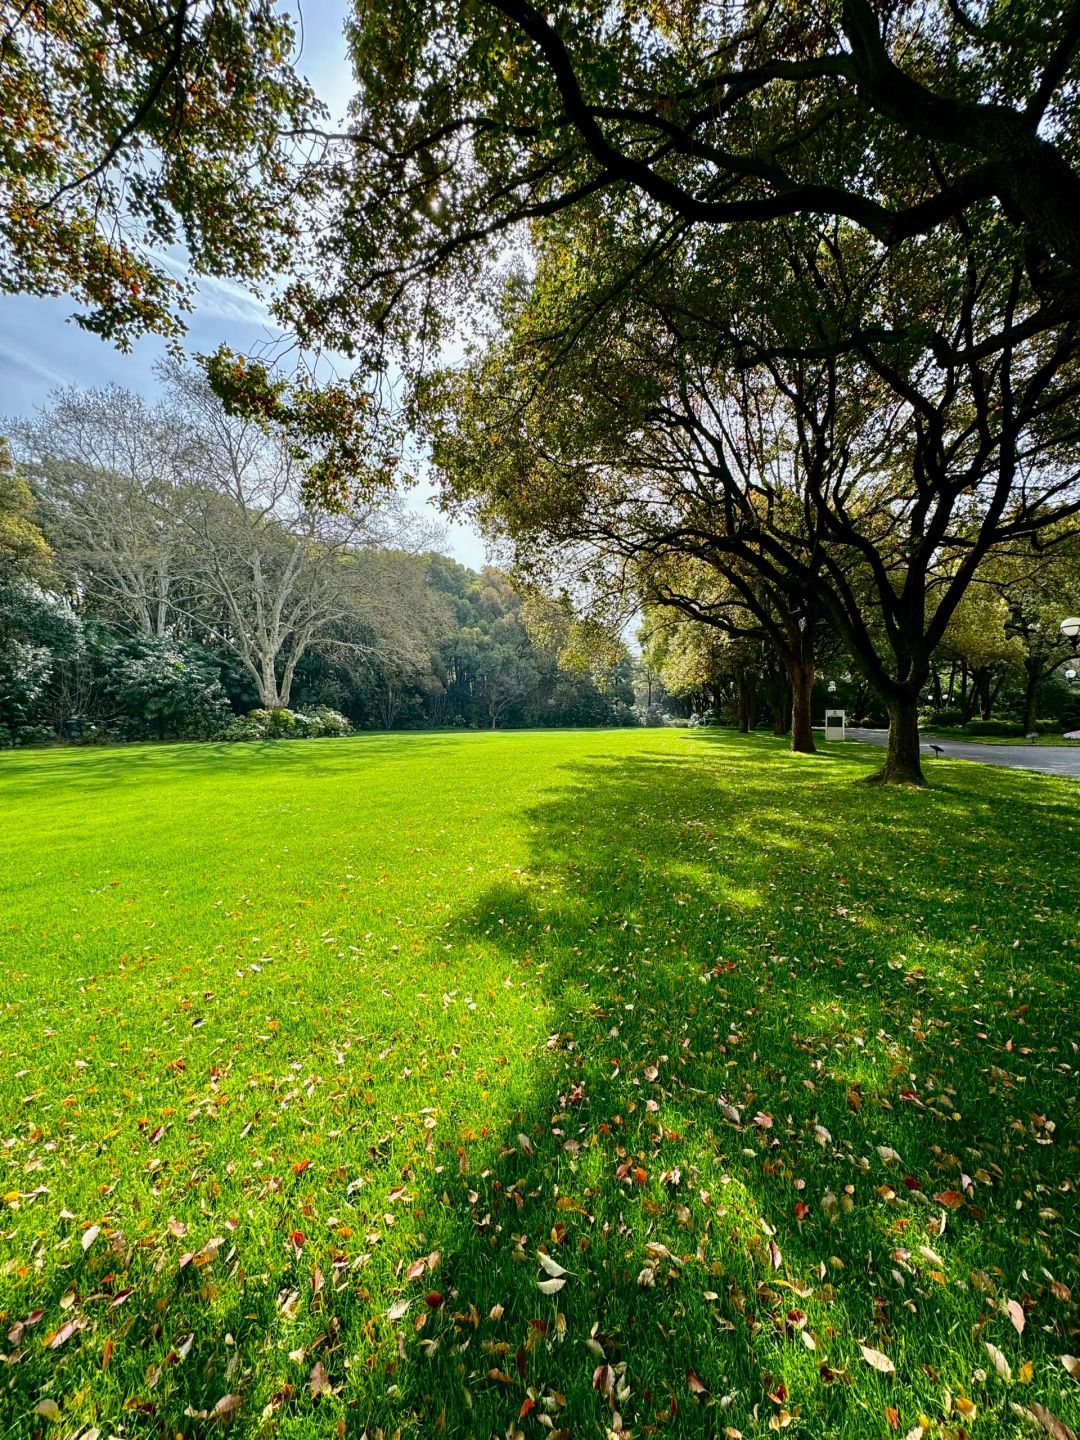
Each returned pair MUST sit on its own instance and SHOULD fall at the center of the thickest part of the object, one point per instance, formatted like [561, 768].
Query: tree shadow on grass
[756, 989]
[763, 1000]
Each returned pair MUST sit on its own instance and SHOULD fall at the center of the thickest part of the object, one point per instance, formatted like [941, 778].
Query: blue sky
[41, 348]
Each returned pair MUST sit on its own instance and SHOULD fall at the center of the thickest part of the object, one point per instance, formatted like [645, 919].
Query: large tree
[167, 121]
[472, 120]
[179, 520]
[107, 466]
[859, 432]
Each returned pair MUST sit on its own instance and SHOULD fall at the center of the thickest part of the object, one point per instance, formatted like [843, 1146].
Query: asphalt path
[1051, 761]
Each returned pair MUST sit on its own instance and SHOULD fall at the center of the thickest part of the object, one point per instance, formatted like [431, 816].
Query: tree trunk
[744, 693]
[802, 685]
[981, 679]
[1030, 688]
[903, 761]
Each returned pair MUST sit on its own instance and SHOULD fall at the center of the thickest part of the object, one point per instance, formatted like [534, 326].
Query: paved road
[1063, 761]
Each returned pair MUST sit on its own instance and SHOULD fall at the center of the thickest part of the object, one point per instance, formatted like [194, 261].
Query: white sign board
[834, 724]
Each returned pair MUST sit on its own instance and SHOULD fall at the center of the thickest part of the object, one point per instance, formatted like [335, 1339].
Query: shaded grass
[463, 998]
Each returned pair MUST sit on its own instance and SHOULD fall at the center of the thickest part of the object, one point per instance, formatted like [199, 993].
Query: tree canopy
[132, 128]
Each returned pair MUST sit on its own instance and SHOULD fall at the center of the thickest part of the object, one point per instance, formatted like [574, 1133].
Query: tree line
[165, 575]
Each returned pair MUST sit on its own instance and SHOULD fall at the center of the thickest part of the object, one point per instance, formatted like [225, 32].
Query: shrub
[331, 722]
[1002, 728]
[164, 690]
[243, 727]
[281, 724]
[941, 717]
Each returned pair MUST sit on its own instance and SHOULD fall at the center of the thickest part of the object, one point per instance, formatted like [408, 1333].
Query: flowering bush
[281, 724]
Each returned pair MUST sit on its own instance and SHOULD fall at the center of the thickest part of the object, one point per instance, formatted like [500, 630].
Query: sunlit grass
[708, 1024]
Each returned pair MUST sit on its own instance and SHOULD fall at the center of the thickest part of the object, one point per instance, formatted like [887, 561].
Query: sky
[41, 348]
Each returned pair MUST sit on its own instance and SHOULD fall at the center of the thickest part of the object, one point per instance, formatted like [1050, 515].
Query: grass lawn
[321, 1063]
[954, 732]
[1056, 742]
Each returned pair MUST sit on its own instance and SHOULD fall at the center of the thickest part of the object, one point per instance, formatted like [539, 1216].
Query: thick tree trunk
[903, 761]
[801, 674]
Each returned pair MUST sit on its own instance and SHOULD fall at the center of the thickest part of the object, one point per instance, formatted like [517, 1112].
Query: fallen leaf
[1044, 1419]
[319, 1381]
[69, 1327]
[1001, 1365]
[603, 1379]
[226, 1408]
[1015, 1312]
[550, 1287]
[877, 1360]
[47, 1408]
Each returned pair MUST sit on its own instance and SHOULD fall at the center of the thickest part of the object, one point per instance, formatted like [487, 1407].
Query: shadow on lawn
[752, 989]
[750, 980]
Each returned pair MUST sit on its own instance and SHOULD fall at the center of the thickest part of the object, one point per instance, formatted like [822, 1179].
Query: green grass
[957, 732]
[710, 1025]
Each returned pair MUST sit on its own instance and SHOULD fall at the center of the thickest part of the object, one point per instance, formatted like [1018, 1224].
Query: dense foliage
[132, 128]
[164, 574]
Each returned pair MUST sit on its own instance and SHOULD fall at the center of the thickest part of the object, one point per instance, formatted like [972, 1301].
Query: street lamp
[1070, 628]
[832, 687]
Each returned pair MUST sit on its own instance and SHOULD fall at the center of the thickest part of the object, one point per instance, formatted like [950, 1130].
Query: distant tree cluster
[165, 577]
[1002, 667]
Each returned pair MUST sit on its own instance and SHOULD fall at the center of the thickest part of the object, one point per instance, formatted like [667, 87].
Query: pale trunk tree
[103, 464]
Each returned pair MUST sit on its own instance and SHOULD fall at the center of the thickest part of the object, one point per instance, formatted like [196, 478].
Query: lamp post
[1070, 628]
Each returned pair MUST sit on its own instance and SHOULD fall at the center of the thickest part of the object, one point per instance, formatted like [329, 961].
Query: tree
[24, 550]
[31, 625]
[1041, 587]
[131, 129]
[141, 124]
[397, 620]
[899, 122]
[977, 635]
[779, 623]
[789, 429]
[270, 574]
[106, 465]
[178, 521]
